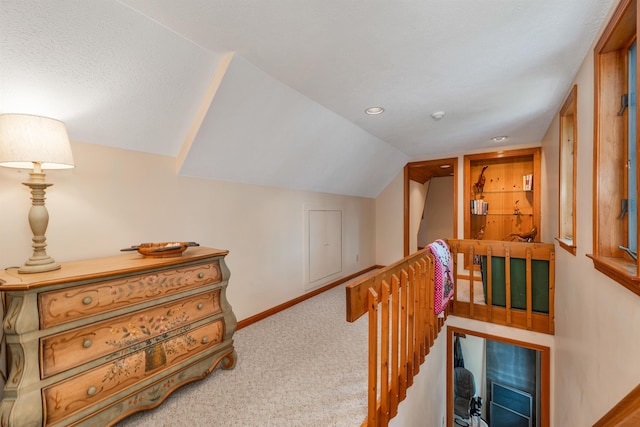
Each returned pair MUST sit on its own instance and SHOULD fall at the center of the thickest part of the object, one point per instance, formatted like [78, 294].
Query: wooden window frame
[568, 162]
[610, 140]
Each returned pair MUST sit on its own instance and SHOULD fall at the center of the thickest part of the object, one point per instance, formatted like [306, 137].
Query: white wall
[425, 404]
[418, 193]
[390, 222]
[116, 198]
[438, 211]
[473, 351]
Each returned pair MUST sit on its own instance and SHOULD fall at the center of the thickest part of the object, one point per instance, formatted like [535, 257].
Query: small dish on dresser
[161, 250]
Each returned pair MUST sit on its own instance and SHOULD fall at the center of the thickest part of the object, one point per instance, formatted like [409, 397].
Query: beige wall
[473, 351]
[438, 211]
[597, 320]
[418, 193]
[116, 198]
[390, 222]
[424, 405]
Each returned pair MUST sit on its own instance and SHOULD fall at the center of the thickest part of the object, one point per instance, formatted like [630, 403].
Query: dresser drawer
[70, 396]
[73, 348]
[66, 305]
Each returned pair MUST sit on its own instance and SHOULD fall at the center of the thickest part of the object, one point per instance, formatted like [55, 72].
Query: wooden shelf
[504, 193]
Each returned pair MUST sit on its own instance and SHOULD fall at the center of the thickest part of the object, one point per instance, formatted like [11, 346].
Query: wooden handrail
[402, 323]
[465, 274]
[402, 328]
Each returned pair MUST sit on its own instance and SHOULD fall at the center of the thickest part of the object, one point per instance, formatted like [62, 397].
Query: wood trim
[399, 301]
[619, 270]
[407, 211]
[422, 172]
[504, 315]
[263, 315]
[625, 413]
[545, 368]
[610, 136]
[534, 152]
[503, 154]
[569, 248]
[569, 108]
[619, 29]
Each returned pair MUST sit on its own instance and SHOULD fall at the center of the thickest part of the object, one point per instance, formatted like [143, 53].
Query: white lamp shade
[25, 139]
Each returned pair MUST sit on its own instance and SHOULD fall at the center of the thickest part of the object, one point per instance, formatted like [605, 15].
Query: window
[567, 174]
[632, 164]
[615, 231]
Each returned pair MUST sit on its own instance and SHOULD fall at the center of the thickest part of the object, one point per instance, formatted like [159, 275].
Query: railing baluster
[416, 319]
[404, 279]
[384, 355]
[529, 289]
[472, 268]
[395, 337]
[454, 255]
[552, 292]
[507, 285]
[432, 302]
[424, 309]
[472, 276]
[489, 284]
[372, 302]
[401, 299]
[524, 316]
[411, 326]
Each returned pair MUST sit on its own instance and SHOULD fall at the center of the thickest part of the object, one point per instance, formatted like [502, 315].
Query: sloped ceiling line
[209, 95]
[289, 109]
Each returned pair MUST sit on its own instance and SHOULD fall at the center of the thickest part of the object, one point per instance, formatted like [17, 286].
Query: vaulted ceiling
[273, 92]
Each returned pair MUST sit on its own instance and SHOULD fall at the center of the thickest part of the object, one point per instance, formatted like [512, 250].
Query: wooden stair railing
[524, 318]
[402, 328]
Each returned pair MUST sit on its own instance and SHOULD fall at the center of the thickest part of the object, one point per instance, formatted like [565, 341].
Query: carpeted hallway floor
[305, 366]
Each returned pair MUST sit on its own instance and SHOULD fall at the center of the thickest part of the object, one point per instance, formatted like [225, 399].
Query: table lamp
[36, 143]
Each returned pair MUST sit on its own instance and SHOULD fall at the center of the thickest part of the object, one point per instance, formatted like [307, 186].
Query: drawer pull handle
[91, 391]
[200, 275]
[87, 300]
[205, 340]
[200, 306]
[87, 343]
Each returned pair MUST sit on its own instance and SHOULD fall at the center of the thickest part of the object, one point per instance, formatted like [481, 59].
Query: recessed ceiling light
[499, 138]
[372, 111]
[445, 166]
[437, 115]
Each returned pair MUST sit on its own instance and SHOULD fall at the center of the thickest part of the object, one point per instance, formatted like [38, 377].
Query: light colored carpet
[464, 291]
[305, 366]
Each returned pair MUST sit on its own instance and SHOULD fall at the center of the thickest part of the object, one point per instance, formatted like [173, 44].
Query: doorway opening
[510, 381]
[418, 174]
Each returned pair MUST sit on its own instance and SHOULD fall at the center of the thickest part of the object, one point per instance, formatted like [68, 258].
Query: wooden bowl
[161, 250]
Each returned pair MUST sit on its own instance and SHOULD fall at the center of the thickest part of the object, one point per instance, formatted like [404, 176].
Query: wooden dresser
[100, 339]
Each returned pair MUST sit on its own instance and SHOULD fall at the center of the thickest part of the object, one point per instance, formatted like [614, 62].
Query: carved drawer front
[66, 305]
[77, 346]
[67, 397]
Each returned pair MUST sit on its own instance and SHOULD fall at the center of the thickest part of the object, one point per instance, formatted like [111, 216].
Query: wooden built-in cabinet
[505, 203]
[101, 339]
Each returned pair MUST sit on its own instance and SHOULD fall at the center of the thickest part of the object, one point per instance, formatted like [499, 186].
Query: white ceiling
[289, 108]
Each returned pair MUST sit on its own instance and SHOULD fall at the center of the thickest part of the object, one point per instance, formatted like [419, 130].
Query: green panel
[540, 283]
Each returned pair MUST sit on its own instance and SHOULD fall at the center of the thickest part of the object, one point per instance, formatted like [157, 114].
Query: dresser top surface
[11, 280]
